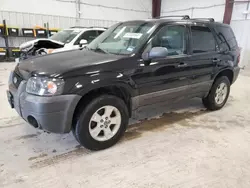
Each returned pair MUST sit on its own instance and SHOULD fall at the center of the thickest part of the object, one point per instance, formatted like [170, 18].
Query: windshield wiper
[98, 49]
[84, 47]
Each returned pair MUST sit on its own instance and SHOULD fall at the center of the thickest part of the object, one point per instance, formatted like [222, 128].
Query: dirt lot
[184, 147]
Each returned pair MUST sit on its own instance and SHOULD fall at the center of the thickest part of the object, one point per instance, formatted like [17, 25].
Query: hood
[43, 42]
[62, 62]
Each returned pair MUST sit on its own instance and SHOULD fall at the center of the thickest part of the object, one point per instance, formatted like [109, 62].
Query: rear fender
[222, 70]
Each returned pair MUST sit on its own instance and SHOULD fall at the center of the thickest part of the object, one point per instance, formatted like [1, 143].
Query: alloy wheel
[105, 123]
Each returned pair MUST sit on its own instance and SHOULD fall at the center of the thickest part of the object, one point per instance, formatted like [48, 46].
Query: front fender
[87, 83]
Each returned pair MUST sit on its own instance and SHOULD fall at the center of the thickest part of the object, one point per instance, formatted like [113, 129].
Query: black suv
[93, 91]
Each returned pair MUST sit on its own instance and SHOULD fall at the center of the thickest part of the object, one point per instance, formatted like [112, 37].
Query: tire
[74, 133]
[87, 125]
[211, 102]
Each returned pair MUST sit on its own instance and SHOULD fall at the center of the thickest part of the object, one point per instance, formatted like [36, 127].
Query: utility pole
[78, 11]
[228, 11]
[156, 8]
[5, 36]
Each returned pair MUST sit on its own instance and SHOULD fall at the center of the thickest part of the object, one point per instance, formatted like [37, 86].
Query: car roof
[92, 27]
[85, 28]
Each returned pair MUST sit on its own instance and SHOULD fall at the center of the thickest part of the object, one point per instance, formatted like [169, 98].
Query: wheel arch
[225, 72]
[120, 90]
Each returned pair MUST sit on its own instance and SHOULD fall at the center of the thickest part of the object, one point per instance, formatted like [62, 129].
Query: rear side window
[202, 39]
[100, 32]
[226, 38]
[87, 35]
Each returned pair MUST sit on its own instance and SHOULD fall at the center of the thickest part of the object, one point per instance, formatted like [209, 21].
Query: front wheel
[218, 94]
[102, 123]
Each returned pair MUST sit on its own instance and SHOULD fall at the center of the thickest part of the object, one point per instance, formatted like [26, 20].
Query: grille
[16, 79]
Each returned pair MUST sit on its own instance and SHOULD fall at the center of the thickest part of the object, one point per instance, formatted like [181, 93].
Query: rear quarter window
[226, 38]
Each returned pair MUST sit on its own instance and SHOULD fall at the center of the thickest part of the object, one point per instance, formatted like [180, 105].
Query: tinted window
[171, 37]
[87, 35]
[226, 38]
[100, 32]
[203, 39]
[65, 36]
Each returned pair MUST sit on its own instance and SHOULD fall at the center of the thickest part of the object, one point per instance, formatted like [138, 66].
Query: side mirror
[83, 42]
[155, 52]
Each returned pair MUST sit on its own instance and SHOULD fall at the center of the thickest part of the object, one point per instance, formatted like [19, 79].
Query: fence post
[5, 36]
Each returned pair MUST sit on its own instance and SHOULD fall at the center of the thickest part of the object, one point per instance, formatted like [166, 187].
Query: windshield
[122, 38]
[65, 36]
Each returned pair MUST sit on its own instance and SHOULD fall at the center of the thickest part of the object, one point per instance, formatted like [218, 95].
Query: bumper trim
[53, 114]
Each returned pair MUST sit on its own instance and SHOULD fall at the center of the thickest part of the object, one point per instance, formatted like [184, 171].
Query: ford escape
[93, 91]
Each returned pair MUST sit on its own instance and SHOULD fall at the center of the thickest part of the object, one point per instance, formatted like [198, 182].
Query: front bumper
[53, 114]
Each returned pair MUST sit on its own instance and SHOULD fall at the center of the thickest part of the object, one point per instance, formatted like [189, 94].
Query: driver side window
[171, 37]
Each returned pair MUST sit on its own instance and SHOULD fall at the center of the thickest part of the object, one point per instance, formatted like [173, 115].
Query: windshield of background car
[65, 36]
[123, 38]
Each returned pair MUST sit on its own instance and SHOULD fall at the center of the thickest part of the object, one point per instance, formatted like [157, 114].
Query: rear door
[204, 58]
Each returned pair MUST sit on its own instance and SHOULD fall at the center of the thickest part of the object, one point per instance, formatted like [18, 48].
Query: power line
[110, 7]
[104, 6]
[146, 8]
[190, 8]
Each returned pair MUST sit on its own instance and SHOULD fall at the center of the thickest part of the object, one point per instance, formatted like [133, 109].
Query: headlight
[44, 86]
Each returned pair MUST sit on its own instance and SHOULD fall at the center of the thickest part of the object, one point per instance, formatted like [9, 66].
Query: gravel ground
[185, 147]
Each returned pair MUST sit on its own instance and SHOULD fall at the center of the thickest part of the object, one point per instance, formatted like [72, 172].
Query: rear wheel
[102, 123]
[218, 94]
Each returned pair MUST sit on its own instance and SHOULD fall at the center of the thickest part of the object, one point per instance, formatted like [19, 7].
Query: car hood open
[41, 43]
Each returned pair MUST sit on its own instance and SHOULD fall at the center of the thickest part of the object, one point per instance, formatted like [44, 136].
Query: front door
[165, 78]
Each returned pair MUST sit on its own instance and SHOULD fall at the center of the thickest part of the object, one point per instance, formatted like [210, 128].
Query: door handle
[216, 60]
[182, 65]
[153, 63]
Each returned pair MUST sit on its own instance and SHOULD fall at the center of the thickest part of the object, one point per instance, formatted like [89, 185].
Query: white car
[67, 39]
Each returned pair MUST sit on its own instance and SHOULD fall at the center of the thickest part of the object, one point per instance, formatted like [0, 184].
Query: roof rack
[184, 17]
[97, 27]
[206, 19]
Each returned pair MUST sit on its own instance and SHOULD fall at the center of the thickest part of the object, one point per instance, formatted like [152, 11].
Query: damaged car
[65, 40]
